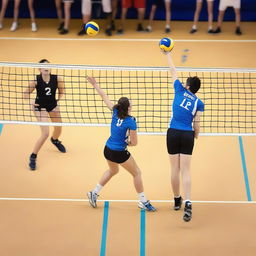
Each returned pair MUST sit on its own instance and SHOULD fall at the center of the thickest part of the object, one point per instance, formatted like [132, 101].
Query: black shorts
[49, 106]
[180, 142]
[116, 156]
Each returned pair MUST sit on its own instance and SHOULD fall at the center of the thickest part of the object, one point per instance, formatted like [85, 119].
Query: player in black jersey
[44, 106]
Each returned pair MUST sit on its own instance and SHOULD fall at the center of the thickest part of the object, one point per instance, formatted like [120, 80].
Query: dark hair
[44, 61]
[194, 84]
[122, 107]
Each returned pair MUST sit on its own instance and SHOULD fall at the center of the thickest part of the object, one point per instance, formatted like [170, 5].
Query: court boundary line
[117, 200]
[142, 232]
[244, 167]
[104, 229]
[128, 39]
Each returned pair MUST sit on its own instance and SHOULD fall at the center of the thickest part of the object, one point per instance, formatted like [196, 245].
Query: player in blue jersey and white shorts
[184, 127]
[123, 134]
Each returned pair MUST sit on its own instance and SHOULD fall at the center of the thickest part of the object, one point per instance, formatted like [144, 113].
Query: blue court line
[246, 179]
[142, 232]
[104, 229]
[1, 128]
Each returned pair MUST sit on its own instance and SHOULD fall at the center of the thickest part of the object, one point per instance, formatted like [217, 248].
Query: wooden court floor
[54, 218]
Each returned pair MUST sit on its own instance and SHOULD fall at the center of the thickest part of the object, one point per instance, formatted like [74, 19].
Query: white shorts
[229, 3]
[86, 7]
[106, 6]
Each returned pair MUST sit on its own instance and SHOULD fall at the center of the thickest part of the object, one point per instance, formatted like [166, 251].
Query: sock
[210, 27]
[142, 197]
[194, 27]
[33, 155]
[97, 189]
[177, 196]
[167, 26]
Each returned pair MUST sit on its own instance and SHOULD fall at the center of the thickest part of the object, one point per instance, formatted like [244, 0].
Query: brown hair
[122, 107]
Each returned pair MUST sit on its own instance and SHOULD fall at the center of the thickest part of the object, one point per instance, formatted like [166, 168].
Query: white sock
[194, 27]
[142, 197]
[210, 27]
[97, 189]
[177, 196]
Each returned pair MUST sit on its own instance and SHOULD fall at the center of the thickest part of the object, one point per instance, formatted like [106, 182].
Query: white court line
[123, 40]
[119, 201]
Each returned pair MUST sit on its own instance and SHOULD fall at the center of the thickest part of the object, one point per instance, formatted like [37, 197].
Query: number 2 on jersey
[48, 91]
[185, 104]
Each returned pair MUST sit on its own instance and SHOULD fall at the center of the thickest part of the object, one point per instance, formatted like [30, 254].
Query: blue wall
[181, 10]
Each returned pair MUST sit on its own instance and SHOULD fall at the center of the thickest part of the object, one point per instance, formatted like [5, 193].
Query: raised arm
[61, 88]
[31, 87]
[196, 123]
[102, 94]
[171, 66]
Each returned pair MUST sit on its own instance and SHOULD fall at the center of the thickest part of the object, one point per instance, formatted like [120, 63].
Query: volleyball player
[123, 134]
[186, 110]
[45, 106]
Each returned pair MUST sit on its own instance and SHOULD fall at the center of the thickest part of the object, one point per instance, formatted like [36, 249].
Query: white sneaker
[14, 26]
[33, 27]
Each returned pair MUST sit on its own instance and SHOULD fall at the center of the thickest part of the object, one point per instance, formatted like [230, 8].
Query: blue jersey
[184, 107]
[120, 131]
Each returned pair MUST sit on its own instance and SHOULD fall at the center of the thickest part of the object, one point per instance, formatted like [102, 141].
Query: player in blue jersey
[123, 134]
[184, 127]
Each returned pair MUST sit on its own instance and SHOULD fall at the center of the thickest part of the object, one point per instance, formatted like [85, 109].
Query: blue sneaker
[32, 163]
[58, 145]
[147, 206]
[92, 198]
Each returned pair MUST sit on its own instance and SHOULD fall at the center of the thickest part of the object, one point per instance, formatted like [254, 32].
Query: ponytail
[122, 107]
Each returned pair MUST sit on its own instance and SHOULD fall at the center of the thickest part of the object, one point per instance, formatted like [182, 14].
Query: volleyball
[166, 44]
[92, 28]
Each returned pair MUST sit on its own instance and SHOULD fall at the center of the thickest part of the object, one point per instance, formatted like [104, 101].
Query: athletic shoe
[58, 145]
[238, 31]
[187, 212]
[33, 27]
[140, 28]
[210, 31]
[177, 203]
[108, 32]
[147, 206]
[167, 29]
[217, 31]
[92, 198]
[14, 26]
[32, 163]
[193, 30]
[61, 26]
[64, 31]
[148, 29]
[120, 31]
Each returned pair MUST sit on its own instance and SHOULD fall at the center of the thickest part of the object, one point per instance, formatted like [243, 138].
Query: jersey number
[48, 91]
[185, 104]
[119, 122]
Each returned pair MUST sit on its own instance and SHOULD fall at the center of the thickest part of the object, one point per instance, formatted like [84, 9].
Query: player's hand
[91, 80]
[164, 52]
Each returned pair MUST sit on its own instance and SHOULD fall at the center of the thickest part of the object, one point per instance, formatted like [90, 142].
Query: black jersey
[46, 92]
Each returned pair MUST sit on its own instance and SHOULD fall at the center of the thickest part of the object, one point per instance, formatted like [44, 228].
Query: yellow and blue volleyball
[92, 28]
[166, 44]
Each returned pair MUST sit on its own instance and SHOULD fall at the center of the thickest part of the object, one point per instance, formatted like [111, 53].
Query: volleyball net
[229, 96]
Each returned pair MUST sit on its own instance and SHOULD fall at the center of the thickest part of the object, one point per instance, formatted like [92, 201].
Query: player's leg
[151, 18]
[59, 14]
[140, 5]
[107, 10]
[120, 31]
[42, 116]
[222, 8]
[238, 21]
[196, 16]
[210, 15]
[67, 16]
[167, 16]
[32, 15]
[131, 166]
[114, 6]
[86, 12]
[15, 15]
[56, 118]
[2, 13]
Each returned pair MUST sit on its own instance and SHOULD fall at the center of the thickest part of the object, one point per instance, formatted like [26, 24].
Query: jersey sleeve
[178, 86]
[200, 106]
[132, 123]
